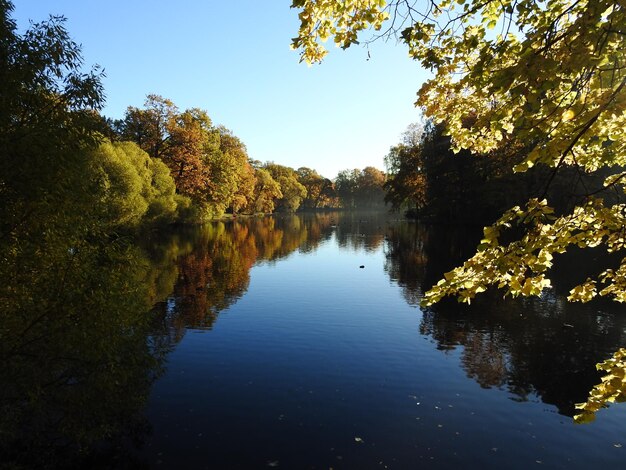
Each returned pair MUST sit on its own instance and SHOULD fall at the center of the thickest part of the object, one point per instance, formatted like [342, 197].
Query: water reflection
[75, 364]
[212, 263]
[535, 347]
[545, 348]
[361, 230]
[85, 331]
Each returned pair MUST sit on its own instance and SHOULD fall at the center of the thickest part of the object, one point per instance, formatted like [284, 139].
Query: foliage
[188, 139]
[135, 188]
[292, 190]
[209, 163]
[320, 190]
[164, 203]
[550, 80]
[611, 389]
[361, 189]
[47, 124]
[233, 177]
[319, 20]
[266, 192]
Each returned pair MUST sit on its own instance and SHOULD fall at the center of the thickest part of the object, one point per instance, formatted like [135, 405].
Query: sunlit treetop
[341, 20]
[548, 74]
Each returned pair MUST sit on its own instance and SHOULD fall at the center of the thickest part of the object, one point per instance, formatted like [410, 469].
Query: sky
[232, 59]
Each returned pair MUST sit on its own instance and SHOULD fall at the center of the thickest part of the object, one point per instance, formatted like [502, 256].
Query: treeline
[427, 180]
[213, 174]
[165, 165]
[62, 160]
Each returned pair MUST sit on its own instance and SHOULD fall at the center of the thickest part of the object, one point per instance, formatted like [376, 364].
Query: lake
[298, 342]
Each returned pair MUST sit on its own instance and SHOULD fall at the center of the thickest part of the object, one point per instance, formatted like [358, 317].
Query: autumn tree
[406, 183]
[208, 163]
[179, 139]
[233, 176]
[292, 190]
[265, 194]
[361, 189]
[320, 190]
[546, 75]
[370, 193]
[149, 127]
[188, 138]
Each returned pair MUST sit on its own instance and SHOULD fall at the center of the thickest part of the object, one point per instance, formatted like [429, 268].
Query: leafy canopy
[548, 76]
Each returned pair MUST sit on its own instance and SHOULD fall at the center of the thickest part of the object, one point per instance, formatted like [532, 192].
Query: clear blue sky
[232, 58]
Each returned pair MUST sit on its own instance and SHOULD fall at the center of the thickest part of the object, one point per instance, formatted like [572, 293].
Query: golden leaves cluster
[341, 20]
[520, 266]
[611, 389]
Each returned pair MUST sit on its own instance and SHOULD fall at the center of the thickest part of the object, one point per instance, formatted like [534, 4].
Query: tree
[266, 193]
[233, 176]
[292, 190]
[208, 163]
[180, 139]
[361, 189]
[370, 192]
[189, 138]
[548, 77]
[406, 183]
[320, 190]
[346, 184]
[134, 187]
[149, 127]
[48, 120]
[60, 347]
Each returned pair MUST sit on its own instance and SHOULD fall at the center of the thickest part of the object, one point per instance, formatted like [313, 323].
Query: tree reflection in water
[532, 346]
[85, 328]
[213, 263]
[75, 365]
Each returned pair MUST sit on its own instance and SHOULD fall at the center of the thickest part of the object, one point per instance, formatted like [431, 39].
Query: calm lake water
[298, 342]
